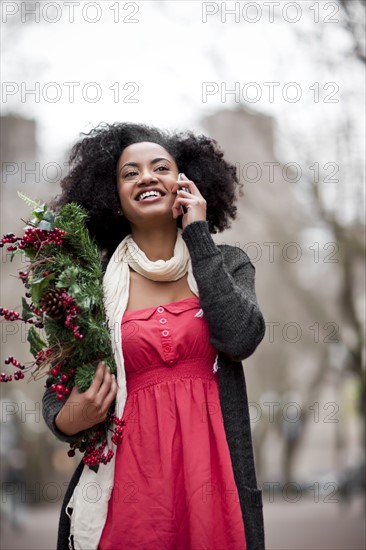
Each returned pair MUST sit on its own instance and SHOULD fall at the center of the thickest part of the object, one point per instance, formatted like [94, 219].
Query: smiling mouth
[151, 198]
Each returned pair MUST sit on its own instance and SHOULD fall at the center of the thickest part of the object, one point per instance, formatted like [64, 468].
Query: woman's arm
[225, 278]
[82, 410]
[51, 406]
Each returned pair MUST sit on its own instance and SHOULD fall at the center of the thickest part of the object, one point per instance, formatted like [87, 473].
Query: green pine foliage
[79, 270]
[64, 268]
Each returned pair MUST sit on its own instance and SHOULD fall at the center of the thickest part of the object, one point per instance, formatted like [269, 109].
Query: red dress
[174, 486]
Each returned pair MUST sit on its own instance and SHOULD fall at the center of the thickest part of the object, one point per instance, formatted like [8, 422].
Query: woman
[186, 315]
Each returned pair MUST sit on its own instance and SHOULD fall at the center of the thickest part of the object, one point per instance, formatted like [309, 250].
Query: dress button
[167, 348]
[171, 362]
[165, 333]
[163, 320]
[160, 309]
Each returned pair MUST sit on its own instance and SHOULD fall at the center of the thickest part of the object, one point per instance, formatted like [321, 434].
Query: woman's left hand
[193, 201]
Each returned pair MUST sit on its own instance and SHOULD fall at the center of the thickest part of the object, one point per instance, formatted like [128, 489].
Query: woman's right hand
[83, 410]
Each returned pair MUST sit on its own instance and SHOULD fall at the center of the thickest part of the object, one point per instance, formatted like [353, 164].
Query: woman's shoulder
[233, 254]
[201, 244]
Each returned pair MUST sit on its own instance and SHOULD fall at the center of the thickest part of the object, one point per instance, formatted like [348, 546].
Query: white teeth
[149, 194]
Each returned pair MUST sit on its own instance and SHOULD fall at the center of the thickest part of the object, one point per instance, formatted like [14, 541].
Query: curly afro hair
[92, 181]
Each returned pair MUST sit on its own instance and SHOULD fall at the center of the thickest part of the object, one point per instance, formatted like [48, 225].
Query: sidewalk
[38, 530]
[309, 525]
[302, 525]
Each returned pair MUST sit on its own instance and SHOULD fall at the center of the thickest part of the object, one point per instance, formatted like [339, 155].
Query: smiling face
[144, 167]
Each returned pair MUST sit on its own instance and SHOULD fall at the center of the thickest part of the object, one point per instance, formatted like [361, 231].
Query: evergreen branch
[29, 201]
[65, 281]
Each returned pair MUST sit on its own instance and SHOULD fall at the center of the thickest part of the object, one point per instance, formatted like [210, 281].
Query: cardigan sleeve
[225, 278]
[51, 406]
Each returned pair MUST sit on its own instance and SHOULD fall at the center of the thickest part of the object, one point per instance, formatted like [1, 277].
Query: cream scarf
[89, 501]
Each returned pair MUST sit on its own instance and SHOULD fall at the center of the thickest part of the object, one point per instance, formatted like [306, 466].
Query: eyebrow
[158, 159]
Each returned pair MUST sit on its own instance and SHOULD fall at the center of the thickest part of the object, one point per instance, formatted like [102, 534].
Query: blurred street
[306, 525]
[303, 525]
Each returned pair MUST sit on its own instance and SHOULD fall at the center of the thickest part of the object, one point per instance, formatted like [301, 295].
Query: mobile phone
[183, 208]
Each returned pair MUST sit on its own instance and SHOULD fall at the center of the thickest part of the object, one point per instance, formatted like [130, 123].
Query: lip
[149, 189]
[150, 199]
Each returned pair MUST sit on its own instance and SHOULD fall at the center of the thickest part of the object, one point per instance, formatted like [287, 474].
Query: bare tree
[354, 21]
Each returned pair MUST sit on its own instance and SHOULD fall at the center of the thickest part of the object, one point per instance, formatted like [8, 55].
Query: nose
[148, 176]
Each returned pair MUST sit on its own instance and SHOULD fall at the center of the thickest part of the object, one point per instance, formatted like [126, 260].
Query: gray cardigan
[225, 278]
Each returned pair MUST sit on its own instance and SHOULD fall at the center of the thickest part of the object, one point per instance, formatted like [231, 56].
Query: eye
[129, 174]
[161, 168]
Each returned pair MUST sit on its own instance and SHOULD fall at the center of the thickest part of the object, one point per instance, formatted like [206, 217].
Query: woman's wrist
[64, 425]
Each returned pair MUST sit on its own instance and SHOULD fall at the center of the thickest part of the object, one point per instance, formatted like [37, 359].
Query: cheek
[122, 190]
[125, 198]
[172, 180]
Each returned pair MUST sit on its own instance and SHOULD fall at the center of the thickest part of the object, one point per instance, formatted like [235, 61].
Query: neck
[156, 242]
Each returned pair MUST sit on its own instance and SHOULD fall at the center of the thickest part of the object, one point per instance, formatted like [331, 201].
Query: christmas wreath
[63, 304]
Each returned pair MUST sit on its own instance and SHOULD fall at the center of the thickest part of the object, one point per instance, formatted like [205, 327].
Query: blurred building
[23, 431]
[18, 145]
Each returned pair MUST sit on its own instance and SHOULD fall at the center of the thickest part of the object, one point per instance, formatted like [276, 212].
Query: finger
[106, 385]
[112, 392]
[98, 377]
[74, 391]
[107, 400]
[191, 186]
[187, 201]
[185, 183]
[176, 209]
